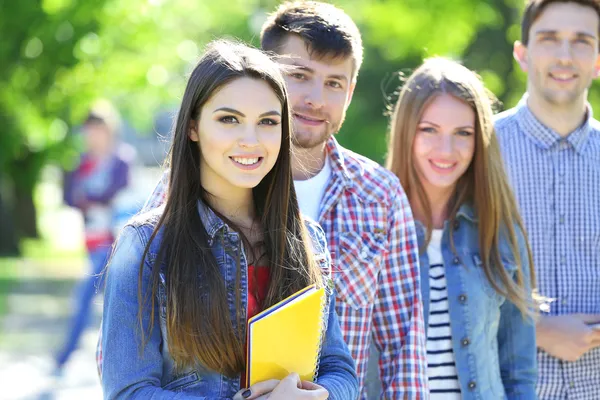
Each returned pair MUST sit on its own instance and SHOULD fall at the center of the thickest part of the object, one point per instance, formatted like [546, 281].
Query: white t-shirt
[310, 191]
[441, 363]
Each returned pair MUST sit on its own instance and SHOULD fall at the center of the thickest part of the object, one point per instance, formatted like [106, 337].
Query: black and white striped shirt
[441, 365]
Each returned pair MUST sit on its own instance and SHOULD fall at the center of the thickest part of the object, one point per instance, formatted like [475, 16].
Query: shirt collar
[212, 222]
[338, 166]
[546, 137]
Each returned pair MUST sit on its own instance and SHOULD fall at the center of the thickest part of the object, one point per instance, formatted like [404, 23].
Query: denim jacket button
[456, 260]
[472, 385]
[462, 298]
[456, 225]
[465, 342]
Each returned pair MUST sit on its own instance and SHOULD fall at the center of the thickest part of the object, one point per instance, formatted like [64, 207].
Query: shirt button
[462, 298]
[563, 260]
[564, 302]
[456, 260]
[571, 384]
[562, 219]
[472, 385]
[465, 342]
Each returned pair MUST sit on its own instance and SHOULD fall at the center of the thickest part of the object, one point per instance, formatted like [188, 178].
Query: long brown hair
[484, 184]
[199, 329]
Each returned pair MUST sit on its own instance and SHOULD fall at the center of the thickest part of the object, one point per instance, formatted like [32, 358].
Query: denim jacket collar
[212, 222]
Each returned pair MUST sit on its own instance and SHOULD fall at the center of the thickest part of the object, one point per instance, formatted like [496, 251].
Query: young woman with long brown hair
[476, 266]
[229, 242]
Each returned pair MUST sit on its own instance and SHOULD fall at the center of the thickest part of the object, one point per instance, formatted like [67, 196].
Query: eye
[427, 129]
[334, 84]
[298, 75]
[269, 121]
[228, 119]
[548, 39]
[464, 133]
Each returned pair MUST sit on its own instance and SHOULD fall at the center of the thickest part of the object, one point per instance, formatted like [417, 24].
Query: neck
[306, 163]
[438, 203]
[237, 207]
[562, 119]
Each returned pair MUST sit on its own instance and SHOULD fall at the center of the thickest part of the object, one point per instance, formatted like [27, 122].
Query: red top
[258, 285]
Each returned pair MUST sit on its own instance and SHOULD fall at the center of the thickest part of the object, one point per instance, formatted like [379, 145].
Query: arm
[159, 194]
[516, 343]
[127, 371]
[398, 328]
[337, 372]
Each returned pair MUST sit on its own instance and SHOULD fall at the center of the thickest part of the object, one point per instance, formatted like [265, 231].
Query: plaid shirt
[371, 236]
[557, 185]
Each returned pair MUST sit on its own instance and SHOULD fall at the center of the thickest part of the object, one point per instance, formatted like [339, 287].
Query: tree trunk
[26, 213]
[8, 234]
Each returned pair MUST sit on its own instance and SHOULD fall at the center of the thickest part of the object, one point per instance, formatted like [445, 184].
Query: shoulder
[505, 122]
[372, 181]
[125, 154]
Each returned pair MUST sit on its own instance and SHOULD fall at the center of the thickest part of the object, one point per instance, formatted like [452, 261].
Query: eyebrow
[241, 114]
[436, 125]
[312, 71]
[555, 33]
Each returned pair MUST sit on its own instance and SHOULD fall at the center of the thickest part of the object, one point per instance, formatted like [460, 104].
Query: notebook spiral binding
[328, 282]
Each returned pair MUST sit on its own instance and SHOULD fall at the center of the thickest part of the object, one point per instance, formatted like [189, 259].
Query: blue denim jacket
[128, 373]
[494, 345]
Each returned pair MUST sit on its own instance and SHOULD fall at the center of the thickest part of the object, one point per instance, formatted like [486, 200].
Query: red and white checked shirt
[371, 236]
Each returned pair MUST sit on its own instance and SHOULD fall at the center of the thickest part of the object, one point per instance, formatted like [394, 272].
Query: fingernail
[246, 393]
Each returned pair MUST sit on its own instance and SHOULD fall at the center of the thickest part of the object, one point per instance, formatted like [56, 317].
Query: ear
[597, 67]
[351, 92]
[520, 55]
[193, 132]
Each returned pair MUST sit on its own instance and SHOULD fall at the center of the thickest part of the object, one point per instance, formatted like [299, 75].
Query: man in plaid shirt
[360, 205]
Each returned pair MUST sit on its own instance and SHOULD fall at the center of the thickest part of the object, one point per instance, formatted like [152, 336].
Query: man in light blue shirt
[551, 147]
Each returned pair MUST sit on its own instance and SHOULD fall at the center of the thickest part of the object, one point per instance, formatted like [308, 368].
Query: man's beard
[305, 139]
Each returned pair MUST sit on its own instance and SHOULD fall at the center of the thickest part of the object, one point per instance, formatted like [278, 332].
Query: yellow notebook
[286, 338]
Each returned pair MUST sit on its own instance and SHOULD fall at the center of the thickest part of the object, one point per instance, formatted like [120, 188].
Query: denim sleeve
[337, 372]
[128, 372]
[516, 344]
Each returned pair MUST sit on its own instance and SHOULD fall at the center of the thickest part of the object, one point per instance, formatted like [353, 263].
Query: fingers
[257, 390]
[292, 380]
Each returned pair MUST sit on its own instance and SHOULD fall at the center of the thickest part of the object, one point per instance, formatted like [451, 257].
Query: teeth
[245, 160]
[563, 77]
[442, 165]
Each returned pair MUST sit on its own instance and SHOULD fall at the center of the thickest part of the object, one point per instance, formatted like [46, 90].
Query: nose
[564, 52]
[315, 96]
[249, 137]
[445, 144]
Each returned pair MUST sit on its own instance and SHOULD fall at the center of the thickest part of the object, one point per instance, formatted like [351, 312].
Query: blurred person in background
[550, 143]
[101, 175]
[476, 268]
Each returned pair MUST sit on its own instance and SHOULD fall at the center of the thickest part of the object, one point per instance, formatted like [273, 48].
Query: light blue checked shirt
[557, 185]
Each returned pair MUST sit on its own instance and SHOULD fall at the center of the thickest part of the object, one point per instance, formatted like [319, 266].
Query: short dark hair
[534, 9]
[326, 30]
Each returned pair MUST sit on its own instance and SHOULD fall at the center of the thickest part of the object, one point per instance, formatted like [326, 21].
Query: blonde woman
[476, 266]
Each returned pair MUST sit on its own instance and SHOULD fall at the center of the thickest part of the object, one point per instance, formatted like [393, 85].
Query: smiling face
[444, 145]
[239, 135]
[320, 91]
[561, 58]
